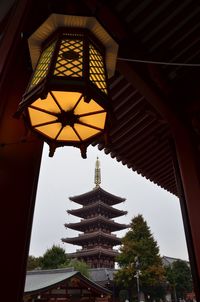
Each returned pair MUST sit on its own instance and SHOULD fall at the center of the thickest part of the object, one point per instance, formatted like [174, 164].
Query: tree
[139, 257]
[33, 263]
[80, 266]
[54, 257]
[179, 276]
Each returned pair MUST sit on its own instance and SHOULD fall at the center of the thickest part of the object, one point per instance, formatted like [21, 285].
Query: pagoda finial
[97, 175]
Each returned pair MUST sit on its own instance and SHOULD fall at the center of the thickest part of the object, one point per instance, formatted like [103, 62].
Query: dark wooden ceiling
[143, 94]
[154, 31]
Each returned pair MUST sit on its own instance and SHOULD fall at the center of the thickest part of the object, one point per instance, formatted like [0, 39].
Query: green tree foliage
[80, 266]
[33, 263]
[54, 257]
[139, 252]
[179, 277]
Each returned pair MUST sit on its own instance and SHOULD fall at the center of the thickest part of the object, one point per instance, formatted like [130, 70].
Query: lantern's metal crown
[56, 21]
[66, 102]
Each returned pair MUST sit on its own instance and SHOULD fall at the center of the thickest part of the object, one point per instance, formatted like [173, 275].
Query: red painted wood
[20, 161]
[189, 171]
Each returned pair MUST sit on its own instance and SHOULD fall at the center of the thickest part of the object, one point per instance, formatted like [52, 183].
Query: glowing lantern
[66, 102]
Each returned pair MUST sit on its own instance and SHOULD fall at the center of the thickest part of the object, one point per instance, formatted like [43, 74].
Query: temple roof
[41, 280]
[96, 221]
[97, 194]
[82, 212]
[102, 275]
[113, 239]
[94, 252]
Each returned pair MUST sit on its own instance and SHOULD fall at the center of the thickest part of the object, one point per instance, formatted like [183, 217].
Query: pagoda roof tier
[99, 251]
[97, 221]
[97, 194]
[94, 236]
[97, 206]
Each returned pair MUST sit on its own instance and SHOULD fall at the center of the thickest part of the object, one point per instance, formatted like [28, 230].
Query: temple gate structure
[155, 98]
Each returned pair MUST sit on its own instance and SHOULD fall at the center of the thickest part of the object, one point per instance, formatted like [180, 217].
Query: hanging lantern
[66, 102]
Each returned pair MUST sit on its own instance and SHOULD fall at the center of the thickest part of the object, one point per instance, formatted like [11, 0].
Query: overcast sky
[67, 174]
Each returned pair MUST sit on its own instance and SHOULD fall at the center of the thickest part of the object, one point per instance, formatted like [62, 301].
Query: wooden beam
[148, 92]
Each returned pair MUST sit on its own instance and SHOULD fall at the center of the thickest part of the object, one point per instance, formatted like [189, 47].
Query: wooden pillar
[19, 161]
[188, 165]
[19, 169]
[187, 171]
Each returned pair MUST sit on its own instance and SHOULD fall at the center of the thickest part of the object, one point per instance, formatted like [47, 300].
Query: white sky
[67, 174]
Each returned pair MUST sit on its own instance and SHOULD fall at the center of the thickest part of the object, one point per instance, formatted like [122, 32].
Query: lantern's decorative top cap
[97, 175]
[56, 21]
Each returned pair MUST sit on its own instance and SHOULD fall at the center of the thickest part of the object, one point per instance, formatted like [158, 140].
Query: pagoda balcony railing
[93, 248]
[96, 232]
[99, 202]
[98, 216]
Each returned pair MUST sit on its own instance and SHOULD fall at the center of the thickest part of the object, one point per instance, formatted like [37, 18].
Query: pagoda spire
[97, 174]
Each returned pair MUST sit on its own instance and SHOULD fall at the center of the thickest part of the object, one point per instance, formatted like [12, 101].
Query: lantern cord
[159, 62]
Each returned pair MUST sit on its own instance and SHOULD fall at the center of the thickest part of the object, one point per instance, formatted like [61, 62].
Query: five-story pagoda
[97, 224]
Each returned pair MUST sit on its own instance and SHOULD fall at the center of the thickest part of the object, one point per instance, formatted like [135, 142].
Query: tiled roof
[97, 194]
[167, 261]
[41, 280]
[88, 237]
[95, 251]
[80, 226]
[102, 274]
[82, 212]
